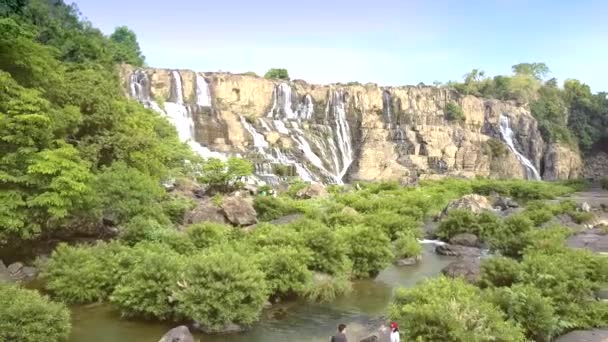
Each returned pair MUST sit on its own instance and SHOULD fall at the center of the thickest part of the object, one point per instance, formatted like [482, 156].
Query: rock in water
[311, 191]
[467, 268]
[465, 239]
[472, 202]
[239, 210]
[178, 334]
[457, 250]
[594, 335]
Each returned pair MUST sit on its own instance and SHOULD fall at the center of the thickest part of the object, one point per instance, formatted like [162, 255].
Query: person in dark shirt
[341, 335]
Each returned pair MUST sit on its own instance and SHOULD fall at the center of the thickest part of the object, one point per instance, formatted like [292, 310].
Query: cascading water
[387, 104]
[281, 103]
[507, 136]
[177, 113]
[342, 134]
[203, 95]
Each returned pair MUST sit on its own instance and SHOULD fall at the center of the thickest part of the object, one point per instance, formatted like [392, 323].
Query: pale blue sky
[381, 41]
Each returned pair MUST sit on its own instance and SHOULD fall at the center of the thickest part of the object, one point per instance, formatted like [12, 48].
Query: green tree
[453, 112]
[279, 74]
[126, 47]
[26, 316]
[369, 249]
[286, 270]
[536, 70]
[225, 175]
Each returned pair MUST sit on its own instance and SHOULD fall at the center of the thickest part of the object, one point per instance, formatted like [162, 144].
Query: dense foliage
[29, 317]
[571, 114]
[73, 149]
[278, 74]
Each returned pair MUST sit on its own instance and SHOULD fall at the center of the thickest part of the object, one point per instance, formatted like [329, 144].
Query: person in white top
[395, 332]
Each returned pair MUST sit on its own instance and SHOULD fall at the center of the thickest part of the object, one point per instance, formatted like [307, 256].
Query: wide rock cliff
[336, 133]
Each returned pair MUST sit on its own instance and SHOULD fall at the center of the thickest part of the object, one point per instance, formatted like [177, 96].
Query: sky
[381, 41]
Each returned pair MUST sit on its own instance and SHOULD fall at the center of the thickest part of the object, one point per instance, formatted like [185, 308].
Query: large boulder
[468, 268]
[205, 211]
[465, 239]
[457, 250]
[239, 210]
[505, 203]
[472, 202]
[311, 191]
[178, 334]
[593, 335]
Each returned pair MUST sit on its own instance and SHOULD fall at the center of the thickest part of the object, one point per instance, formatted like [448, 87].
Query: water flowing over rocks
[338, 133]
[457, 250]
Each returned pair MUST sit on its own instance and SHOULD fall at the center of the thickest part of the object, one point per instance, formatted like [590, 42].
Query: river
[293, 322]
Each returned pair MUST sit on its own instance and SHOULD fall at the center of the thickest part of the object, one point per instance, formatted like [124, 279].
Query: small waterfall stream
[507, 136]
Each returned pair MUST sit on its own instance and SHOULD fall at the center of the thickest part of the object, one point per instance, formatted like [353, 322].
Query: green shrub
[146, 290]
[549, 240]
[329, 251]
[368, 248]
[270, 208]
[407, 246]
[509, 240]
[325, 288]
[84, 274]
[347, 216]
[286, 270]
[457, 222]
[499, 272]
[160, 101]
[495, 148]
[26, 316]
[207, 234]
[176, 207]
[442, 309]
[539, 215]
[277, 73]
[526, 306]
[141, 228]
[453, 112]
[581, 216]
[281, 170]
[393, 223]
[219, 287]
[224, 175]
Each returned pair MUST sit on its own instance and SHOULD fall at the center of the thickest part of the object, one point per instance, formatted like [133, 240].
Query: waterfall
[177, 113]
[507, 136]
[203, 96]
[281, 103]
[258, 139]
[342, 134]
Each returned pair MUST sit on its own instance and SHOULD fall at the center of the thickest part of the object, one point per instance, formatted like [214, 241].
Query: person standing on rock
[341, 335]
[395, 332]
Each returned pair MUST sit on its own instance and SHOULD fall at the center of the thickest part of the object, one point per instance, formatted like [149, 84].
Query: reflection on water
[293, 322]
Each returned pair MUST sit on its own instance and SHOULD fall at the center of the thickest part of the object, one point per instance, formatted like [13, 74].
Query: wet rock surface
[458, 250]
[595, 239]
[465, 239]
[468, 268]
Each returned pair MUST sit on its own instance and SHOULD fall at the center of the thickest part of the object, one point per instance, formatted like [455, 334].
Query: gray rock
[311, 191]
[467, 268]
[504, 203]
[594, 335]
[602, 294]
[458, 250]
[15, 268]
[472, 202]
[178, 334]
[205, 211]
[239, 210]
[4, 274]
[465, 239]
[594, 239]
[406, 262]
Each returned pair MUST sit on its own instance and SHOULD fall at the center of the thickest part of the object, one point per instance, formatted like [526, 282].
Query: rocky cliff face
[337, 133]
